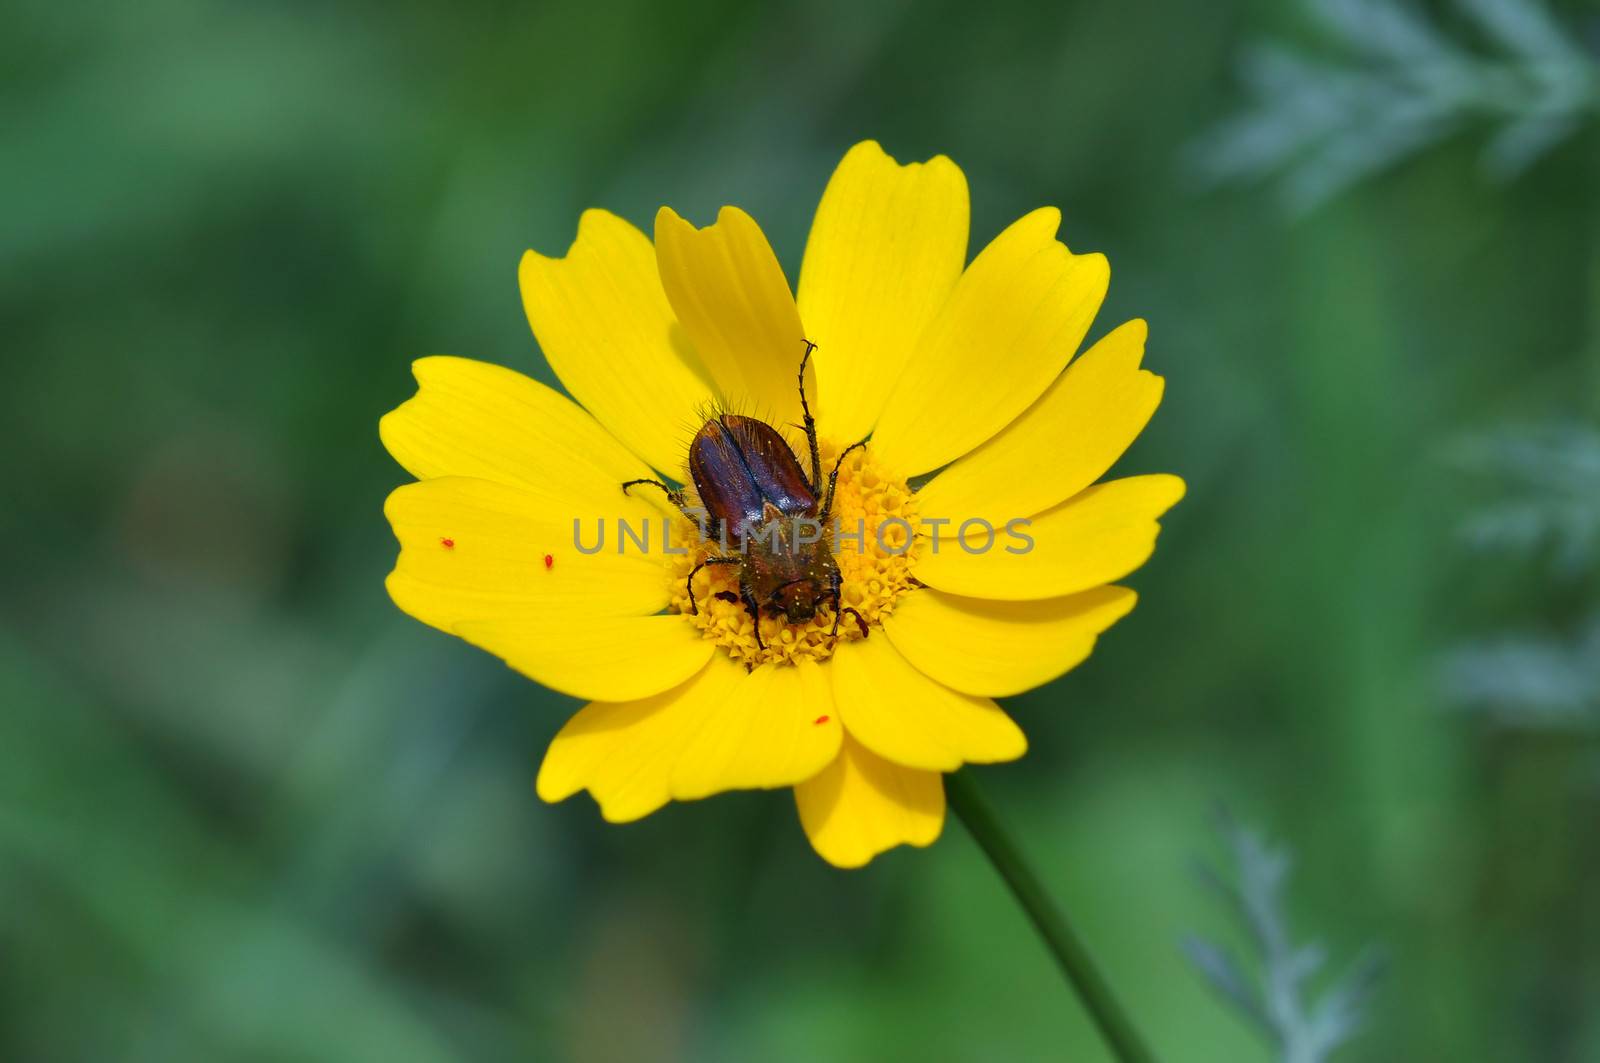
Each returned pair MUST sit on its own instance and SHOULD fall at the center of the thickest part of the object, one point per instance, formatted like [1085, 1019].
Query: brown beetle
[759, 503]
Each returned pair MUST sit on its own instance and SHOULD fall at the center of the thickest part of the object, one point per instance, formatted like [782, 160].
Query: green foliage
[1546, 481]
[1544, 510]
[1278, 1002]
[1398, 83]
[1529, 680]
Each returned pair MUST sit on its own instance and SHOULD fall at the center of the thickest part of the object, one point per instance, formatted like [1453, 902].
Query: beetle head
[798, 599]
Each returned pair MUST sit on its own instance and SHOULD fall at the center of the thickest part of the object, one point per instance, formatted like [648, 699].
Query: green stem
[975, 811]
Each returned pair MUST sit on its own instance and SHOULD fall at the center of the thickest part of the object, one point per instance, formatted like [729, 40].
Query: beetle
[753, 488]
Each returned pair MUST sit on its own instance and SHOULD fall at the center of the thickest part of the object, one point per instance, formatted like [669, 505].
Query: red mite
[448, 544]
[549, 561]
[755, 495]
[819, 721]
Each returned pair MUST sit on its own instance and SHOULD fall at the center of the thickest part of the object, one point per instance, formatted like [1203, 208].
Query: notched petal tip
[1171, 486]
[617, 814]
[590, 224]
[598, 217]
[1127, 343]
[393, 586]
[1042, 223]
[861, 806]
[667, 218]
[1096, 271]
[388, 427]
[422, 367]
[550, 790]
[430, 368]
[1157, 385]
[732, 220]
[1122, 346]
[871, 152]
[396, 499]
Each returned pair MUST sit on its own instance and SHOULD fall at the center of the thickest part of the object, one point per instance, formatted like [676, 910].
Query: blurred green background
[249, 811]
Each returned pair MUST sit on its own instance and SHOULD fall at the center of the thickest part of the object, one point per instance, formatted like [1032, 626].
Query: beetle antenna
[833, 480]
[694, 608]
[811, 422]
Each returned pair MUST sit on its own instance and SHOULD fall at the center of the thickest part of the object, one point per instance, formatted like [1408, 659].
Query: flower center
[875, 515]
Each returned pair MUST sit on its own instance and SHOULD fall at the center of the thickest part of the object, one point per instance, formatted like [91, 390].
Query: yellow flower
[952, 368]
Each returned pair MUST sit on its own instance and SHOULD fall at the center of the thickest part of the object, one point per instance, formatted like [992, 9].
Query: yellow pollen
[876, 570]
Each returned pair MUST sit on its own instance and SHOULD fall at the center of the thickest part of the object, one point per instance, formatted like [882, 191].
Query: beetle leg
[726, 596]
[833, 480]
[675, 497]
[755, 615]
[861, 621]
[811, 422]
[836, 586]
[710, 529]
[694, 608]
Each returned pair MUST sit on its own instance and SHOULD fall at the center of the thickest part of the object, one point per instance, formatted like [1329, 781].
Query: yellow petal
[607, 330]
[1098, 536]
[1062, 444]
[861, 805]
[726, 287]
[584, 657]
[476, 419]
[474, 550]
[997, 649]
[723, 729]
[624, 753]
[778, 727]
[886, 247]
[1011, 324]
[901, 714]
